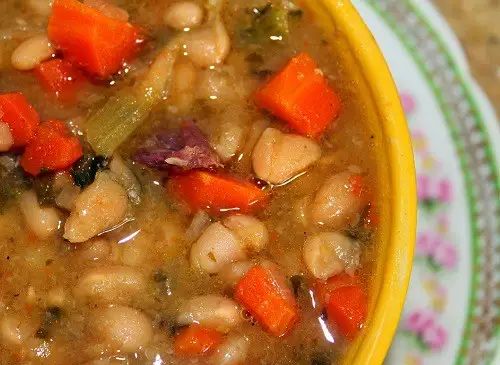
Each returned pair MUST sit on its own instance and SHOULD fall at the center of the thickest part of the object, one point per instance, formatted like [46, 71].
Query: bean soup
[182, 182]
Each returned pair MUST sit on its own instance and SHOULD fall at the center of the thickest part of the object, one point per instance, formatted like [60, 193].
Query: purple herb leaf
[187, 148]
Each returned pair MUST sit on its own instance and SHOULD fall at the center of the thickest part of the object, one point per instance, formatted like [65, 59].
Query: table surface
[476, 23]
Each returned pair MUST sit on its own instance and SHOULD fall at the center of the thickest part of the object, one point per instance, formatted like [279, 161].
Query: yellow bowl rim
[397, 267]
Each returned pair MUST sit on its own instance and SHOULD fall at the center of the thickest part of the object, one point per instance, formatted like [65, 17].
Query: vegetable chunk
[269, 301]
[186, 148]
[217, 193]
[20, 116]
[53, 148]
[97, 43]
[346, 309]
[300, 95]
[196, 340]
[59, 78]
[109, 126]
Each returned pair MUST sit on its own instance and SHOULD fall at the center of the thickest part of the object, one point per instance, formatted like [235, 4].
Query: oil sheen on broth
[182, 182]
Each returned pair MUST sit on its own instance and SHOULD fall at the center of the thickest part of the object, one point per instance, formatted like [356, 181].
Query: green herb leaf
[43, 186]
[85, 169]
[268, 24]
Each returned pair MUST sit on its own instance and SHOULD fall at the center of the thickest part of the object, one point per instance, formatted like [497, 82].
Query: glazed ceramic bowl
[371, 76]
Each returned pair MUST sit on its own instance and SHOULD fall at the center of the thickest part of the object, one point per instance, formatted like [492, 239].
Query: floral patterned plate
[452, 312]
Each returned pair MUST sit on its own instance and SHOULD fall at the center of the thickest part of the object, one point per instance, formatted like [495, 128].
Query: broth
[113, 288]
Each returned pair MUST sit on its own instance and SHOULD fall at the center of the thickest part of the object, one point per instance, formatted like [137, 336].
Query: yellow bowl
[369, 71]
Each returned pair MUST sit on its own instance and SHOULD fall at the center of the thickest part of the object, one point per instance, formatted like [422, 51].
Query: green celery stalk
[122, 114]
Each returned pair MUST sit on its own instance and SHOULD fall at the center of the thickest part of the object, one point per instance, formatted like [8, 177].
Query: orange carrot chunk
[346, 310]
[323, 288]
[270, 302]
[196, 340]
[300, 95]
[217, 193]
[358, 187]
[60, 78]
[95, 42]
[52, 148]
[21, 117]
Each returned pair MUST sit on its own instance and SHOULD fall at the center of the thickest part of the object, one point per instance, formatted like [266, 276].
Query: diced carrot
[300, 95]
[217, 193]
[21, 117]
[196, 340]
[52, 148]
[95, 42]
[358, 187]
[61, 78]
[347, 309]
[270, 302]
[323, 288]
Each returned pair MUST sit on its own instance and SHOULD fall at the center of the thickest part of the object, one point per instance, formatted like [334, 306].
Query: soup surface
[182, 182]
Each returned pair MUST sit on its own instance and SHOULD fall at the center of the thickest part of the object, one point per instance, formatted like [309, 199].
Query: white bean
[232, 273]
[44, 222]
[6, 140]
[251, 231]
[66, 198]
[110, 284]
[233, 351]
[199, 223]
[40, 7]
[334, 204]
[126, 178]
[329, 253]
[100, 206]
[208, 46]
[14, 330]
[121, 328]
[229, 140]
[183, 14]
[65, 190]
[108, 9]
[213, 311]
[216, 247]
[32, 52]
[183, 87]
[94, 250]
[278, 157]
[216, 85]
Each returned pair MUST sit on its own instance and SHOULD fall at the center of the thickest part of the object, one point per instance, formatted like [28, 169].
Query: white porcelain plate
[452, 312]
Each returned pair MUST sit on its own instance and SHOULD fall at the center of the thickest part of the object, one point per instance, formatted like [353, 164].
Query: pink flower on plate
[423, 324]
[418, 321]
[435, 337]
[423, 187]
[408, 101]
[446, 255]
[427, 243]
[444, 191]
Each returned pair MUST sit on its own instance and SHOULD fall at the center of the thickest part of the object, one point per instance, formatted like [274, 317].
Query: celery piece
[123, 113]
[111, 125]
[268, 24]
